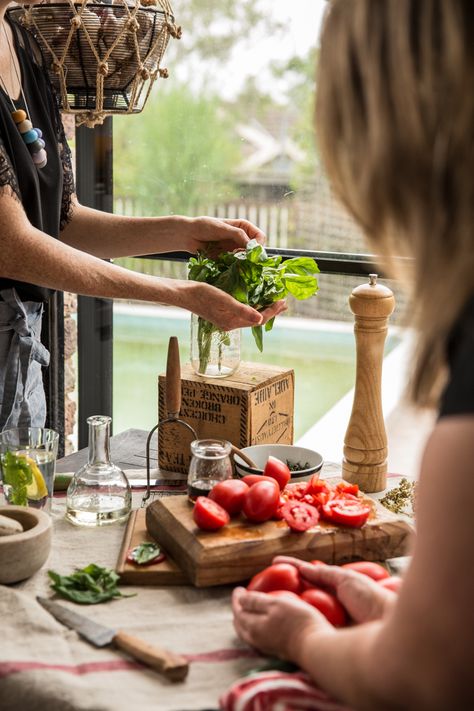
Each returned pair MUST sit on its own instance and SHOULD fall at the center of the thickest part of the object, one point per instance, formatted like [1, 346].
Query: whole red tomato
[251, 479]
[327, 604]
[230, 494]
[261, 501]
[208, 515]
[278, 470]
[372, 570]
[393, 583]
[281, 576]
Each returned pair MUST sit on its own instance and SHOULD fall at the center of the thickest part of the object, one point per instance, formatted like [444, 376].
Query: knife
[172, 666]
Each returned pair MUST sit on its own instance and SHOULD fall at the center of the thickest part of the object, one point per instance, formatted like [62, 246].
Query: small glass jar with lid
[210, 464]
[99, 492]
[214, 353]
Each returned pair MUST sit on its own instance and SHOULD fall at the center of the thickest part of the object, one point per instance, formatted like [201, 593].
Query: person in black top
[49, 241]
[395, 123]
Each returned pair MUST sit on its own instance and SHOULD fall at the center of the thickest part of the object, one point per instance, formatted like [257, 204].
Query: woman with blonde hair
[395, 122]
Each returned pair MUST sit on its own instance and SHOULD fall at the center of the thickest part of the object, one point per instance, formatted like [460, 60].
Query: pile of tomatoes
[272, 496]
[284, 579]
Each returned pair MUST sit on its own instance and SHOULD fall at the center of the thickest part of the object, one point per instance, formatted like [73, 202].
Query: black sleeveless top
[45, 194]
[458, 396]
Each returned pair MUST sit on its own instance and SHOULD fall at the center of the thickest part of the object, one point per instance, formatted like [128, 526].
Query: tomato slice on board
[345, 488]
[278, 470]
[346, 511]
[281, 576]
[299, 515]
[229, 494]
[209, 515]
[295, 490]
[317, 485]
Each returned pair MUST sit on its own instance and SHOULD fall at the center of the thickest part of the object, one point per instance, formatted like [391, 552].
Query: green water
[323, 361]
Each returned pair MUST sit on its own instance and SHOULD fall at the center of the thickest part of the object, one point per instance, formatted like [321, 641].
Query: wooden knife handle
[173, 666]
[173, 379]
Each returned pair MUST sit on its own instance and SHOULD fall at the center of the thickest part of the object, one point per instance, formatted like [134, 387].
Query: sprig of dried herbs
[401, 499]
[87, 586]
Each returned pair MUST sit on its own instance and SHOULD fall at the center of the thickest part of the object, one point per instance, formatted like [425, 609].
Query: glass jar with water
[99, 493]
[214, 353]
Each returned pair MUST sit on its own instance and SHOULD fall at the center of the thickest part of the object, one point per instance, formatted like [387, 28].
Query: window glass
[230, 132]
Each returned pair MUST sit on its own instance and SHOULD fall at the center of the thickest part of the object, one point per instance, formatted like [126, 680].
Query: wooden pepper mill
[365, 443]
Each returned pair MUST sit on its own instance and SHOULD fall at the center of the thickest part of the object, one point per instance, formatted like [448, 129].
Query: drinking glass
[27, 465]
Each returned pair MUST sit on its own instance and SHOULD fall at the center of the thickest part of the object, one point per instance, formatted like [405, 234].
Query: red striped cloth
[277, 691]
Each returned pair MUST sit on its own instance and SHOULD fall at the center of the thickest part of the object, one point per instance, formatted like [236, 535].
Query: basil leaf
[87, 586]
[258, 336]
[145, 552]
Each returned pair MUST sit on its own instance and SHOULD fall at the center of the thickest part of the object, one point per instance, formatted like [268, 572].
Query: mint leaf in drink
[17, 475]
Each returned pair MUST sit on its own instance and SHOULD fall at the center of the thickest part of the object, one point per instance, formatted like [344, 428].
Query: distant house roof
[268, 157]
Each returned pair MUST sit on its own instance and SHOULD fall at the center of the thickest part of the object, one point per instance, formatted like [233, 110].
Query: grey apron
[22, 355]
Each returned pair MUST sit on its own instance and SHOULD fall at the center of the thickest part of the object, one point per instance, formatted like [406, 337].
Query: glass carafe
[210, 464]
[214, 353]
[99, 493]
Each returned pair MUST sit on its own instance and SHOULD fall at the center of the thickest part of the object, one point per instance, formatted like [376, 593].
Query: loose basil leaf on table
[87, 586]
[253, 278]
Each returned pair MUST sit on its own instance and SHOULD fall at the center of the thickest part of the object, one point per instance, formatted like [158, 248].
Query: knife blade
[174, 666]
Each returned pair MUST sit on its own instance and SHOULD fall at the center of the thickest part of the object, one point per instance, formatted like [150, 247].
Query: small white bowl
[22, 554]
[285, 452]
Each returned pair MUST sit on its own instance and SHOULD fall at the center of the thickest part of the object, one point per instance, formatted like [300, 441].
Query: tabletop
[44, 665]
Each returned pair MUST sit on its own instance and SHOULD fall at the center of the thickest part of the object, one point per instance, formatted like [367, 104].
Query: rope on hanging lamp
[103, 56]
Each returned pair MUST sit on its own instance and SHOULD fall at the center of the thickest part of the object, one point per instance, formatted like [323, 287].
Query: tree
[177, 155]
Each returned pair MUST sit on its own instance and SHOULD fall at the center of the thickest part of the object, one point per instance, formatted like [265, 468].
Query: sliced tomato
[345, 488]
[322, 498]
[366, 567]
[327, 604]
[299, 515]
[278, 470]
[317, 485]
[262, 501]
[230, 494]
[346, 511]
[295, 491]
[209, 515]
[281, 576]
[251, 479]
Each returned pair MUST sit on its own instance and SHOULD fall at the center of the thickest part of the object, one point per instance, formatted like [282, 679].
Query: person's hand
[216, 236]
[278, 626]
[222, 309]
[361, 596]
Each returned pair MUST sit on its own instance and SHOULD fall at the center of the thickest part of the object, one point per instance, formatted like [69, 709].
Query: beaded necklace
[33, 137]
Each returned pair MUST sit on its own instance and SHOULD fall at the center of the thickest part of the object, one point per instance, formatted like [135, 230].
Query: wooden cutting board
[241, 549]
[164, 573]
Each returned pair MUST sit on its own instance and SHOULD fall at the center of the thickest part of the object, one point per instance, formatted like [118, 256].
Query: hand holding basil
[253, 278]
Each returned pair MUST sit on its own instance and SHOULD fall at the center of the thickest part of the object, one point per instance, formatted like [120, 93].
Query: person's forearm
[342, 663]
[112, 236]
[47, 262]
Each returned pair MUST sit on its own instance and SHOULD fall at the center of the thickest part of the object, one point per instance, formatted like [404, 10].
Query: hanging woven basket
[103, 57]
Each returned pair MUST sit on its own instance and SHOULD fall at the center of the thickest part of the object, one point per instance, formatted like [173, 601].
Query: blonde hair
[395, 124]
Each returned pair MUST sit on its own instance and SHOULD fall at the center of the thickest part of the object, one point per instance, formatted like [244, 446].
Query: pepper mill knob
[365, 442]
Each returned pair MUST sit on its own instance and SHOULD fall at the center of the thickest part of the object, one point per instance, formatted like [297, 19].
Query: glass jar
[99, 492]
[210, 463]
[214, 353]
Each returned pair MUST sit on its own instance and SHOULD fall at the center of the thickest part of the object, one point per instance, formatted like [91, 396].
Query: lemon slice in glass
[37, 489]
